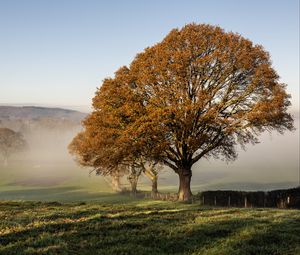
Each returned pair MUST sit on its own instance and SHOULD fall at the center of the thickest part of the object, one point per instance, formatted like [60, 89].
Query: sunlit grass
[107, 223]
[145, 227]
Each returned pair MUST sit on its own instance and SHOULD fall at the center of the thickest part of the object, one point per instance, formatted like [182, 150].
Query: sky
[58, 52]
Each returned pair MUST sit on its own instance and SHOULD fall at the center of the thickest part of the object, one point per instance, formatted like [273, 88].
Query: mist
[271, 164]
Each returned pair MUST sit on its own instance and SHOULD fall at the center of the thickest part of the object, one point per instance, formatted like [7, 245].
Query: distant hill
[34, 112]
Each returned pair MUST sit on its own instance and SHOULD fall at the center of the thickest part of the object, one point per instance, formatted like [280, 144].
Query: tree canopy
[197, 94]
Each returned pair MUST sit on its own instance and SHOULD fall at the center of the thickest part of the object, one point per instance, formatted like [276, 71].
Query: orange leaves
[195, 94]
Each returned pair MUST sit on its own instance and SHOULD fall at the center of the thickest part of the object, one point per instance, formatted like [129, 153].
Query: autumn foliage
[197, 94]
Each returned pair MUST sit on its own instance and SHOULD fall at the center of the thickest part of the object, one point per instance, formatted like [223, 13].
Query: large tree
[197, 94]
[10, 142]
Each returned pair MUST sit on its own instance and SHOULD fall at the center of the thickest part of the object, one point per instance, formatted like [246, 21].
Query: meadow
[64, 181]
[124, 225]
[59, 209]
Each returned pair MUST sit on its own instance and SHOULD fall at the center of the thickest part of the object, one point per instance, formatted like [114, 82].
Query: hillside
[33, 112]
[32, 120]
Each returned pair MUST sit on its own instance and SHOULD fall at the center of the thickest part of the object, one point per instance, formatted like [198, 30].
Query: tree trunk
[115, 183]
[184, 191]
[152, 174]
[133, 179]
[133, 184]
[154, 187]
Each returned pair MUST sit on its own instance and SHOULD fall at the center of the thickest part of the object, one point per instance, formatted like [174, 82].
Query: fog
[47, 154]
[273, 163]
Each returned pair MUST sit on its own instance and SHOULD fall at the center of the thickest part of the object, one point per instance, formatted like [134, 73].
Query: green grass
[57, 182]
[66, 182]
[114, 224]
[131, 226]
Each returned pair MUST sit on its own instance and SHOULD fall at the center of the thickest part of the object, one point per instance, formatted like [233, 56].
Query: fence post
[215, 200]
[228, 201]
[203, 200]
[245, 202]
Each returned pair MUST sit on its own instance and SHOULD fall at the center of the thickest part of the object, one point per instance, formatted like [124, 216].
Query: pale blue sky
[57, 52]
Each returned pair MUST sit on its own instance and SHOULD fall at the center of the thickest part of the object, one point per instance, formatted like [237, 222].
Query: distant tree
[113, 178]
[10, 142]
[88, 154]
[197, 94]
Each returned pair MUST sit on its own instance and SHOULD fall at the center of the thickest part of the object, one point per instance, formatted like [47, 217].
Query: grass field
[66, 182]
[123, 225]
[108, 223]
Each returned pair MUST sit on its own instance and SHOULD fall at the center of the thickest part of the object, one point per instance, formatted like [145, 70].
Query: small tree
[113, 179]
[10, 142]
[86, 155]
[104, 144]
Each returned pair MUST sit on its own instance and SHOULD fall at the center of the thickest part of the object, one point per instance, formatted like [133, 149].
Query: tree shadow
[282, 237]
[127, 231]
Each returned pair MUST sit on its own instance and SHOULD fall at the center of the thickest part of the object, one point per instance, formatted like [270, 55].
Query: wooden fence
[287, 198]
